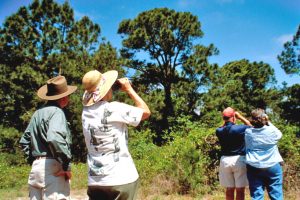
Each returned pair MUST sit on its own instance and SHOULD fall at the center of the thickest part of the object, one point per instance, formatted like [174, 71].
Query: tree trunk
[168, 110]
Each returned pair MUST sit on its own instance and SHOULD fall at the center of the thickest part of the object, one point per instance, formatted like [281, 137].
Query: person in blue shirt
[263, 158]
[232, 171]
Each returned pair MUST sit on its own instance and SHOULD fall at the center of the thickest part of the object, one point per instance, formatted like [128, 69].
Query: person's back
[112, 174]
[46, 143]
[263, 158]
[45, 121]
[232, 170]
[231, 138]
[106, 133]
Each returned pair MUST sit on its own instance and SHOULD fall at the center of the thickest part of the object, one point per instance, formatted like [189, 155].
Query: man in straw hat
[46, 143]
[112, 173]
[232, 171]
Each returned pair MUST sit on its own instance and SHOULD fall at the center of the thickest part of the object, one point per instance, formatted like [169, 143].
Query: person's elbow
[146, 114]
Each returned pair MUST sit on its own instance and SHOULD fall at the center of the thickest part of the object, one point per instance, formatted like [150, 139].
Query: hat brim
[42, 93]
[110, 78]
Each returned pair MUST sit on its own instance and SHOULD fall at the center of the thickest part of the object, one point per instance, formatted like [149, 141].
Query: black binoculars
[116, 86]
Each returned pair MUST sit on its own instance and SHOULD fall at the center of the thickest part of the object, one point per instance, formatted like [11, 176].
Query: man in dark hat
[46, 143]
[232, 171]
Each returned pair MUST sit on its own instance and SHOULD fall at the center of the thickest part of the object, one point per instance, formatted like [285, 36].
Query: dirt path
[79, 195]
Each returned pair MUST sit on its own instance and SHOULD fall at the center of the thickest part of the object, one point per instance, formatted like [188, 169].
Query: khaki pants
[44, 185]
[233, 171]
[119, 192]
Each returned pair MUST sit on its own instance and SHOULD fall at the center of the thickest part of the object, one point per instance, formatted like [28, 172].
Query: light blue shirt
[261, 146]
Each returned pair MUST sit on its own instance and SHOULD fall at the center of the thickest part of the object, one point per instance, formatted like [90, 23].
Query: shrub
[289, 147]
[9, 139]
[9, 146]
[12, 176]
[188, 162]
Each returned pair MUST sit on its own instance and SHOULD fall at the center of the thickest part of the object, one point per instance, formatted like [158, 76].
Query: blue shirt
[261, 146]
[231, 138]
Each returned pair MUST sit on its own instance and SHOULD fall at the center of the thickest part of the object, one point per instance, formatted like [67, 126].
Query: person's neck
[229, 122]
[54, 103]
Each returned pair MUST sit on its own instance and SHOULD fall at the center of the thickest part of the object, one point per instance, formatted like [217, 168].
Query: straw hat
[97, 85]
[56, 88]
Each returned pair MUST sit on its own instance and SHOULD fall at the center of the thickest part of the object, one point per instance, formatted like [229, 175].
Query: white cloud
[284, 38]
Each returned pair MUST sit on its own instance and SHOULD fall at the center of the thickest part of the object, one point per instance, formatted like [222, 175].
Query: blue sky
[252, 29]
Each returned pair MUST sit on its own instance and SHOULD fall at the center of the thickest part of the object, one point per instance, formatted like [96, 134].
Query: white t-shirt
[106, 137]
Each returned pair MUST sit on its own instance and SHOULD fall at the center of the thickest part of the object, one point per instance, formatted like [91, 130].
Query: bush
[289, 147]
[188, 162]
[9, 139]
[9, 146]
[12, 176]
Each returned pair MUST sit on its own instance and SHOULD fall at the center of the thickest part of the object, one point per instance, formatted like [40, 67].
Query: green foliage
[241, 85]
[189, 159]
[9, 139]
[38, 42]
[290, 56]
[187, 164]
[12, 176]
[290, 105]
[289, 147]
[41, 41]
[79, 176]
[9, 146]
[167, 37]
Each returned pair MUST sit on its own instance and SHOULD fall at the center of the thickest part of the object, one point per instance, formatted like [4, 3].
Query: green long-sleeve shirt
[48, 135]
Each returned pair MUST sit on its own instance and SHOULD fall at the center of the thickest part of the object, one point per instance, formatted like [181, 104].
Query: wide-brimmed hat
[97, 85]
[56, 88]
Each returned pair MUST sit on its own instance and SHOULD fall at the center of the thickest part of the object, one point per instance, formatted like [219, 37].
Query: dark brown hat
[56, 88]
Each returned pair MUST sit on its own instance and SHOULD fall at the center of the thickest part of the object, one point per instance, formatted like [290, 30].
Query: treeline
[177, 81]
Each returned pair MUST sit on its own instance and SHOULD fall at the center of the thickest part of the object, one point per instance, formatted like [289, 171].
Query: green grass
[79, 176]
[13, 180]
[13, 185]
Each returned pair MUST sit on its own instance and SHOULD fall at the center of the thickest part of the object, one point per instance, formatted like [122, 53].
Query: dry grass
[156, 195]
[160, 188]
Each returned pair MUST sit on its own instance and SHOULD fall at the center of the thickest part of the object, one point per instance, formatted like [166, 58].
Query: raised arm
[138, 101]
[242, 118]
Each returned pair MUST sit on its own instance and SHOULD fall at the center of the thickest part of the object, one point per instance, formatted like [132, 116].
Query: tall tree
[290, 56]
[166, 38]
[290, 104]
[39, 42]
[242, 85]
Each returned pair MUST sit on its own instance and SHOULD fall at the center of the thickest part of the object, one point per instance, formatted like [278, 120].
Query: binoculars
[116, 86]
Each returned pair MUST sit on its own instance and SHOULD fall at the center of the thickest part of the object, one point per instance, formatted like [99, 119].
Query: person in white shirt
[112, 173]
